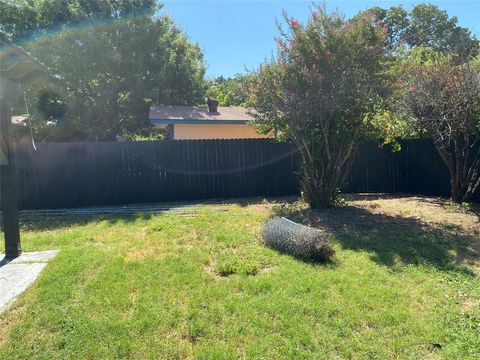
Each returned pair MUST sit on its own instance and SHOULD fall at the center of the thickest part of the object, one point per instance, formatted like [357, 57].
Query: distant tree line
[109, 60]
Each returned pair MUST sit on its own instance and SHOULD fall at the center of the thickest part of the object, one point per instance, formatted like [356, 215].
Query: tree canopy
[426, 26]
[442, 99]
[111, 60]
[229, 91]
[319, 92]
[22, 19]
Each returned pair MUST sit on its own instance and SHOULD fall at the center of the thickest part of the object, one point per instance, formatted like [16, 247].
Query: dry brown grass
[437, 212]
[409, 229]
[469, 304]
[15, 314]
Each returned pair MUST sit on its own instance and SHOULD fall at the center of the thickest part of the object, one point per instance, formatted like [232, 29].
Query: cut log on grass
[298, 240]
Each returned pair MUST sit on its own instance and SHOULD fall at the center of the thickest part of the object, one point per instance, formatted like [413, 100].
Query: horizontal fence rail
[63, 175]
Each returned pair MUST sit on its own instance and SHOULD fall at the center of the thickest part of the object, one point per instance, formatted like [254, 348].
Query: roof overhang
[197, 122]
[17, 65]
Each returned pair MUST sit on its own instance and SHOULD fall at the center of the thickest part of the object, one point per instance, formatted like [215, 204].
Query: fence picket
[85, 174]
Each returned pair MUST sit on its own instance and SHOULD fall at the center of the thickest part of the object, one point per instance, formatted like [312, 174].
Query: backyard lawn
[405, 283]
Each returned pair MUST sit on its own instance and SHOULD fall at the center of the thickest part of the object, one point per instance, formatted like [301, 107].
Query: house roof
[198, 114]
[18, 65]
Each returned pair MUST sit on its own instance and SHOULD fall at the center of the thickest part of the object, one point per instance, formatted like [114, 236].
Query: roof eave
[197, 122]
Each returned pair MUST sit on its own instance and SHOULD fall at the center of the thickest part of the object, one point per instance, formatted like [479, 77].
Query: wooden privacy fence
[60, 175]
[105, 173]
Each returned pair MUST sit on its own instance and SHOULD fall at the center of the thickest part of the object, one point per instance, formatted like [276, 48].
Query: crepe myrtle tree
[319, 91]
[443, 100]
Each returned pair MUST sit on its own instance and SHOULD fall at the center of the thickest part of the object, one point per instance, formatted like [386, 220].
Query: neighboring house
[194, 122]
[20, 120]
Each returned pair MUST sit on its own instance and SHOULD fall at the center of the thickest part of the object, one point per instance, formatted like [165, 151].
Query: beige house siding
[216, 131]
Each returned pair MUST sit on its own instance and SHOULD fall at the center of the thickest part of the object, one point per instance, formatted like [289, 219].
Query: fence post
[8, 186]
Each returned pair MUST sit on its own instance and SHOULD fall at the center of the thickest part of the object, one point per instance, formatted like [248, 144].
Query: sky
[237, 35]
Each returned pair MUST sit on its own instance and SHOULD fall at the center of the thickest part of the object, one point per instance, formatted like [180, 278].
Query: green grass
[203, 286]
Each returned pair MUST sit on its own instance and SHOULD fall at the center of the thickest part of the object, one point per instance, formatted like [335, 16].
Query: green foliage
[152, 135]
[424, 35]
[425, 26]
[423, 55]
[432, 27]
[17, 18]
[442, 99]
[230, 266]
[110, 61]
[320, 92]
[22, 19]
[388, 126]
[228, 91]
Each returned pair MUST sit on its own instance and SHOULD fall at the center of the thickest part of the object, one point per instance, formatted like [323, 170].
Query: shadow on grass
[471, 208]
[394, 239]
[40, 220]
[320, 263]
[390, 239]
[57, 222]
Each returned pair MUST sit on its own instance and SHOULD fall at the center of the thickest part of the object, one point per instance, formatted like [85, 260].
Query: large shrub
[442, 99]
[319, 92]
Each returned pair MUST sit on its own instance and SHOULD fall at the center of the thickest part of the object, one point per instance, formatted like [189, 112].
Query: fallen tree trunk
[298, 240]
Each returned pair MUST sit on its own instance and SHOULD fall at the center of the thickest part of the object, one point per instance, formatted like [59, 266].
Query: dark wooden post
[8, 186]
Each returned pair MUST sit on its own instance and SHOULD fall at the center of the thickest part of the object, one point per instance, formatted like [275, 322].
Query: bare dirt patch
[435, 211]
[470, 304]
[409, 229]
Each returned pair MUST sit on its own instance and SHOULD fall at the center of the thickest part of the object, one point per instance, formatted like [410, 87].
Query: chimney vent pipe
[212, 105]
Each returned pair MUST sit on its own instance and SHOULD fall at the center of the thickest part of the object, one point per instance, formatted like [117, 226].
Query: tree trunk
[462, 189]
[317, 195]
[463, 169]
[322, 179]
[458, 192]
